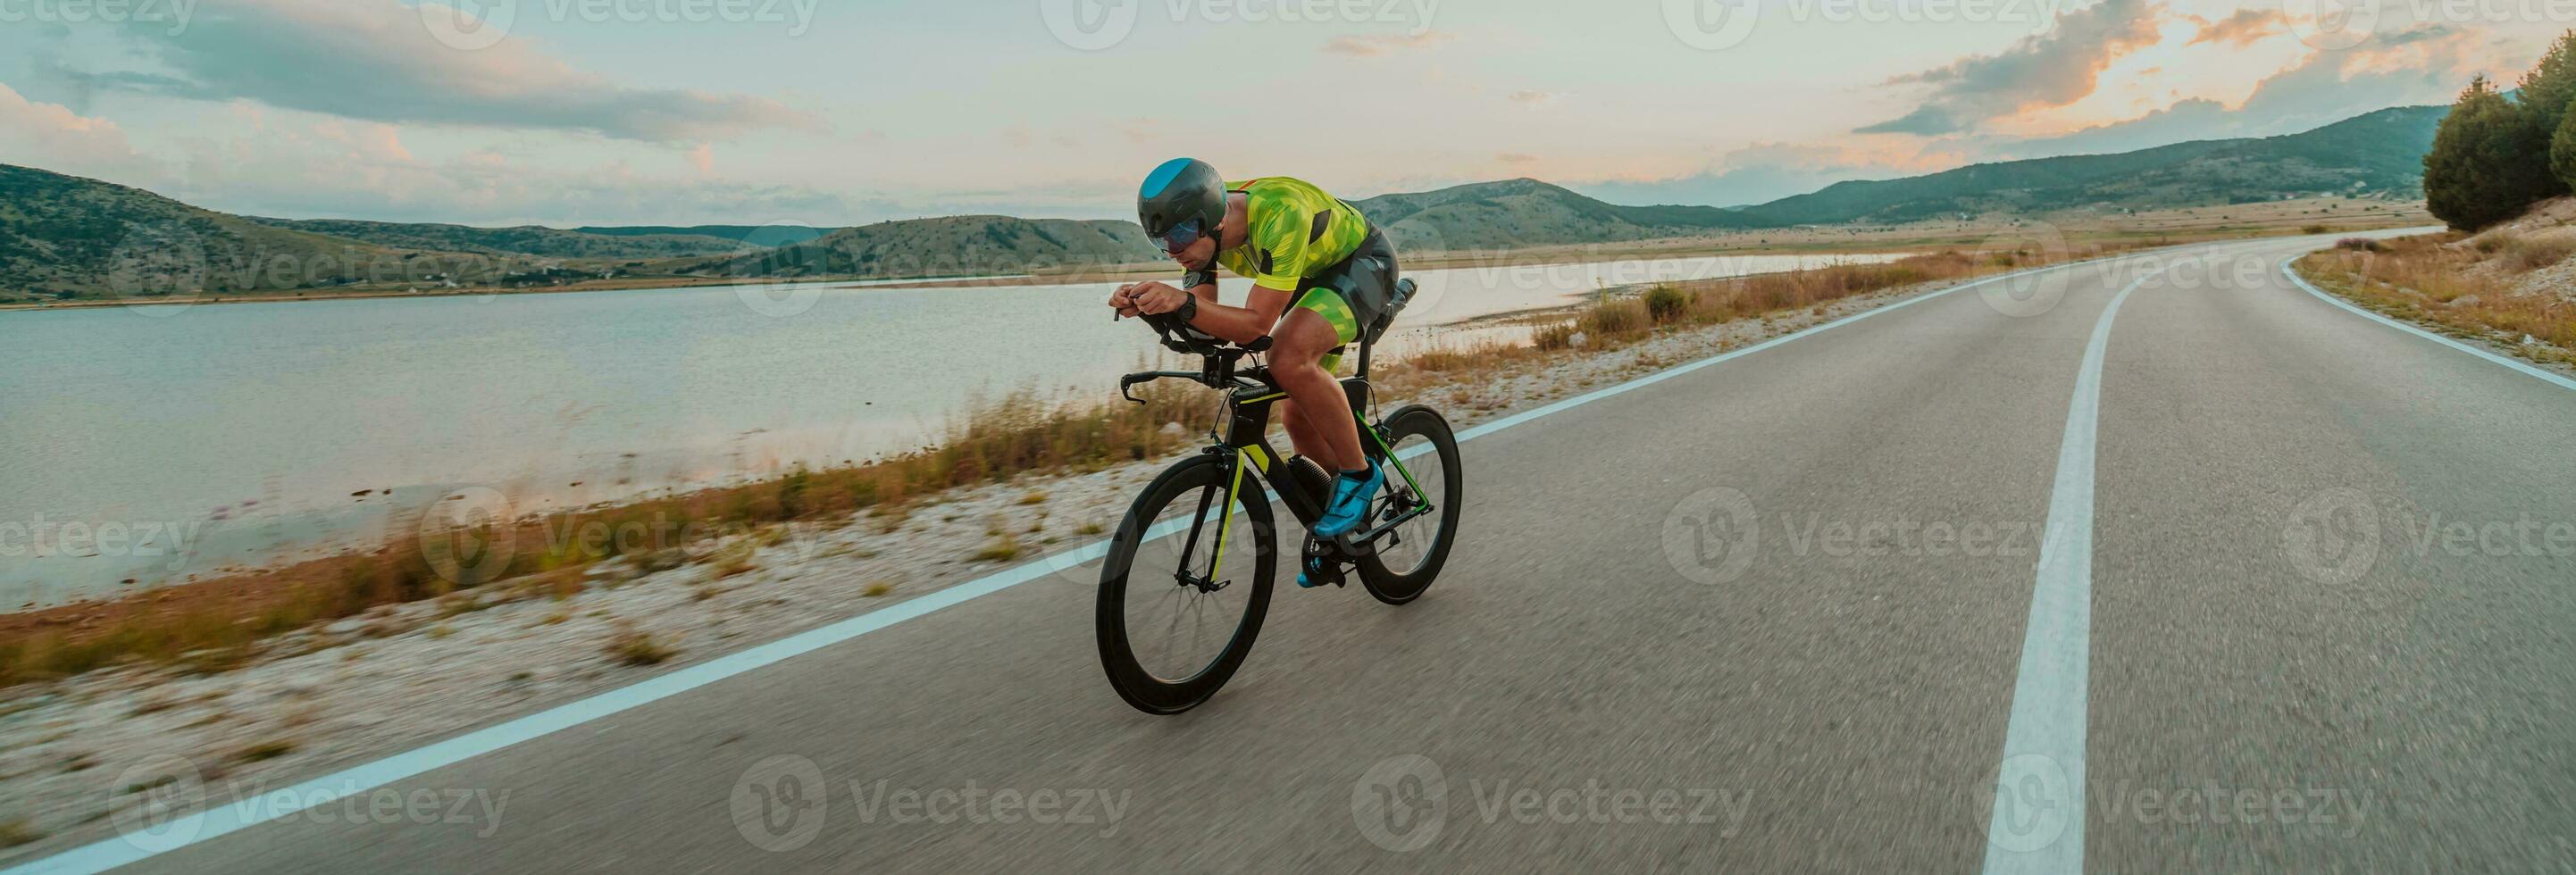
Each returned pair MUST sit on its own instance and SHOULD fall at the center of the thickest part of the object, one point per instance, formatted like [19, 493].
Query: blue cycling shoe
[1351, 494]
[1317, 572]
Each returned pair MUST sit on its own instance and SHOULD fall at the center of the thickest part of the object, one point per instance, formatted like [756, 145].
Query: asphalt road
[2283, 674]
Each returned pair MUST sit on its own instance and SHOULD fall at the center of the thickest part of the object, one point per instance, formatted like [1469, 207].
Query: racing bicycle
[1188, 575]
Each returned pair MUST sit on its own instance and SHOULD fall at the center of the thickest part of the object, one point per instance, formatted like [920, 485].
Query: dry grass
[1003, 548]
[265, 750]
[218, 624]
[1620, 320]
[18, 831]
[1017, 434]
[2464, 289]
[633, 646]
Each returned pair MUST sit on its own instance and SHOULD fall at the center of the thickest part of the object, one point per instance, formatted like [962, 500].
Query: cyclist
[1320, 275]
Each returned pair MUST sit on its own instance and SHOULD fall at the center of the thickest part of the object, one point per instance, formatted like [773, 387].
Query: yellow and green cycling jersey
[1311, 245]
[1293, 231]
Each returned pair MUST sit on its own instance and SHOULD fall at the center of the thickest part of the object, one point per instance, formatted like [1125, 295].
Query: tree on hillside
[2562, 150]
[2551, 84]
[2545, 94]
[2488, 161]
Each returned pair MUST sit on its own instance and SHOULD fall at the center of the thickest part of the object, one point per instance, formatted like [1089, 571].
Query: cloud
[2055, 69]
[375, 61]
[313, 173]
[1516, 158]
[2414, 67]
[1768, 171]
[1374, 45]
[55, 138]
[2242, 28]
[1532, 99]
[703, 158]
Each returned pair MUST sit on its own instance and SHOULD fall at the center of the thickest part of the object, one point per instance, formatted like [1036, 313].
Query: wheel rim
[1413, 541]
[1175, 630]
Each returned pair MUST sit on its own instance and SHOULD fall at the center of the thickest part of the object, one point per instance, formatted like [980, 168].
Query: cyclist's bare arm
[1232, 324]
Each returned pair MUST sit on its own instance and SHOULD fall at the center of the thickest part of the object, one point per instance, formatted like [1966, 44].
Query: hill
[64, 237]
[530, 240]
[758, 235]
[941, 247]
[1527, 212]
[2377, 153]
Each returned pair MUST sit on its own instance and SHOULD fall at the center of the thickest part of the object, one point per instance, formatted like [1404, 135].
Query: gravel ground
[404, 675]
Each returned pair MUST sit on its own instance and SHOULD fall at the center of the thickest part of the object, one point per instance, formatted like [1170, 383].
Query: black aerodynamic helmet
[1181, 200]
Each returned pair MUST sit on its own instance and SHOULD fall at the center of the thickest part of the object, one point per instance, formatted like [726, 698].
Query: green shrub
[1666, 305]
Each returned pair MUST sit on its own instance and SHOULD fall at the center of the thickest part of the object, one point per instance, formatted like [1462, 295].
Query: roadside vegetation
[2514, 287]
[217, 624]
[2499, 173]
[214, 625]
[2496, 155]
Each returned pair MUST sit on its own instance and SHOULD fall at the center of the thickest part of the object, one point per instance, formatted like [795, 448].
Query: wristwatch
[1189, 309]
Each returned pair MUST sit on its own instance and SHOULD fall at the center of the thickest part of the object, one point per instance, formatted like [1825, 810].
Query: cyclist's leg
[1301, 438]
[1303, 338]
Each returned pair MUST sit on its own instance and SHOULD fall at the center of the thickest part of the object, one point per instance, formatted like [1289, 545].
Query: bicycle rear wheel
[1402, 563]
[1186, 584]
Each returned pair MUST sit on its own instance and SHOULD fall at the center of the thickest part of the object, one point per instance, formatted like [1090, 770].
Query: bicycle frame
[1246, 437]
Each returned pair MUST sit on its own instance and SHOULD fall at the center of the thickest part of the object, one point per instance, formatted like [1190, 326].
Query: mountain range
[64, 237]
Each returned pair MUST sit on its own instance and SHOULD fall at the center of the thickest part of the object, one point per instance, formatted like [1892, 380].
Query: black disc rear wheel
[1185, 585]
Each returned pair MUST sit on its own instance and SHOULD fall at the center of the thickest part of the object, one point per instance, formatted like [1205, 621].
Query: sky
[838, 112]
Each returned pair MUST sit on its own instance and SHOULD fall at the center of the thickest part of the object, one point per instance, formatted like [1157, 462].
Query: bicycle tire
[1136, 684]
[1386, 584]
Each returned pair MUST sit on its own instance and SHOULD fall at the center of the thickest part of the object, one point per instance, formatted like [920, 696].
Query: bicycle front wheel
[1401, 564]
[1185, 585]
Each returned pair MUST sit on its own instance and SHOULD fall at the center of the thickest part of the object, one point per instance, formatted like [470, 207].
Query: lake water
[157, 443]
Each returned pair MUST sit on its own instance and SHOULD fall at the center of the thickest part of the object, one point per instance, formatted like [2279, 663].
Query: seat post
[1364, 357]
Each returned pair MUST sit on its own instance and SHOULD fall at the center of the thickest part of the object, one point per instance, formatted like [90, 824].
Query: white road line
[2525, 367]
[2037, 825]
[222, 819]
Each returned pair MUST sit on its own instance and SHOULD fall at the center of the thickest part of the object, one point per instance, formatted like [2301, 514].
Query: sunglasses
[1180, 237]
